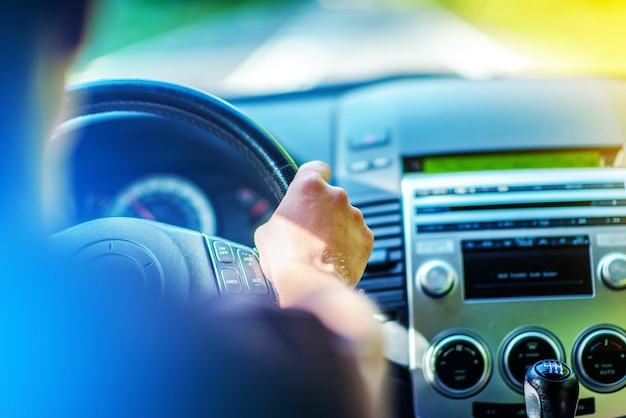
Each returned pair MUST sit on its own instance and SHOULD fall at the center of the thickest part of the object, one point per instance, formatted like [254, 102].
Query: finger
[319, 167]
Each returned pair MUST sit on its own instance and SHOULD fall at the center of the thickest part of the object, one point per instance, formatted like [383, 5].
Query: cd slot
[423, 210]
[473, 190]
[522, 223]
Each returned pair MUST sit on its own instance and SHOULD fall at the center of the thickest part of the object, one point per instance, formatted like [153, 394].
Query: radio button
[612, 270]
[458, 366]
[436, 278]
[600, 359]
[525, 348]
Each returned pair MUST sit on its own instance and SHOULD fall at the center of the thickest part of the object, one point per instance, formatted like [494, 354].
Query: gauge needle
[140, 208]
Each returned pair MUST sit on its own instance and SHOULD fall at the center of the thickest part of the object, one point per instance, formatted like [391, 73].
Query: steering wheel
[152, 258]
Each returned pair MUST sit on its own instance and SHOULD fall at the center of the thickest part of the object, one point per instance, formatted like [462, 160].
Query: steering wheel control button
[436, 278]
[257, 284]
[525, 348]
[237, 269]
[231, 280]
[457, 366]
[600, 359]
[223, 252]
[612, 270]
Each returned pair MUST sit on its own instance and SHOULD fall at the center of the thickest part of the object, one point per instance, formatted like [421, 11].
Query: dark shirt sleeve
[83, 355]
[262, 361]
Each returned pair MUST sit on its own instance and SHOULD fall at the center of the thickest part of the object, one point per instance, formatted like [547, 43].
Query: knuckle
[360, 219]
[312, 183]
[358, 215]
[317, 167]
[368, 237]
[339, 196]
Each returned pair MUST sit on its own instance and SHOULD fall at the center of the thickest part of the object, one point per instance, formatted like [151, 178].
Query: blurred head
[38, 39]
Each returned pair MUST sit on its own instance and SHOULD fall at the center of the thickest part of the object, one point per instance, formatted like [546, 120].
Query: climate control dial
[525, 347]
[600, 359]
[458, 365]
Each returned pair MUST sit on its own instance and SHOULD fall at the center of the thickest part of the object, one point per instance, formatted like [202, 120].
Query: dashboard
[498, 209]
[145, 167]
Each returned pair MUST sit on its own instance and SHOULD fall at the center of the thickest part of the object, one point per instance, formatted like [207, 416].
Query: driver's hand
[313, 245]
[315, 225]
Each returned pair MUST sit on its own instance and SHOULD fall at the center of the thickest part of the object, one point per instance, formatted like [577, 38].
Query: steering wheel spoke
[142, 258]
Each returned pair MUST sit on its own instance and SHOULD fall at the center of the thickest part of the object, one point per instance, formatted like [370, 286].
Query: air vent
[384, 278]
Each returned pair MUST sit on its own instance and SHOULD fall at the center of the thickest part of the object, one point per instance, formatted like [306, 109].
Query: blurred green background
[118, 23]
[557, 36]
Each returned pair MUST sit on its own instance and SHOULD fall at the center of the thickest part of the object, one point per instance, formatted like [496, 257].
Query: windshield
[247, 48]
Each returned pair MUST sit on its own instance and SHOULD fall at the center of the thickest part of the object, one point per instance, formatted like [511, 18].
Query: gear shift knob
[550, 390]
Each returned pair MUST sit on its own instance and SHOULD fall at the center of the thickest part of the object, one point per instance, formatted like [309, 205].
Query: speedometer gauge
[166, 198]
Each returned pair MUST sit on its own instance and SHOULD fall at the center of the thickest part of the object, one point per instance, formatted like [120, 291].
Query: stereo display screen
[524, 267]
[511, 160]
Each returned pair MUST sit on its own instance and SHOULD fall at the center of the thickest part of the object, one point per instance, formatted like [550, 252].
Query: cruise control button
[223, 252]
[253, 273]
[231, 280]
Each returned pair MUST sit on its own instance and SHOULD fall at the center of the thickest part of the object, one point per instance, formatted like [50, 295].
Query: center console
[508, 267]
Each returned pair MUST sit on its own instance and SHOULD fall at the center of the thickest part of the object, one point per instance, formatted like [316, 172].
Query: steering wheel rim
[194, 107]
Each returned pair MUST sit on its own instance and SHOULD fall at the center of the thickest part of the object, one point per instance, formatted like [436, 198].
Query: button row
[586, 406]
[525, 242]
[367, 165]
[457, 365]
[231, 271]
[598, 356]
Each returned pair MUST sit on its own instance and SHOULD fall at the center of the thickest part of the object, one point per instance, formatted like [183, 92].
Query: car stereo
[508, 267]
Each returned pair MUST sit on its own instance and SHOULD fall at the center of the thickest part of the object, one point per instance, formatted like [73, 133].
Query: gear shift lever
[550, 390]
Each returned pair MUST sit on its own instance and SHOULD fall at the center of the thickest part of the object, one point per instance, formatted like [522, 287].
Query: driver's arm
[314, 250]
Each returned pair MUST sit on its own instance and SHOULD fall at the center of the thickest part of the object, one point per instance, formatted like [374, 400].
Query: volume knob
[612, 270]
[436, 278]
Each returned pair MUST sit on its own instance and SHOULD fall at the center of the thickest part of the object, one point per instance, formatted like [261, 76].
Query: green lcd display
[512, 160]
